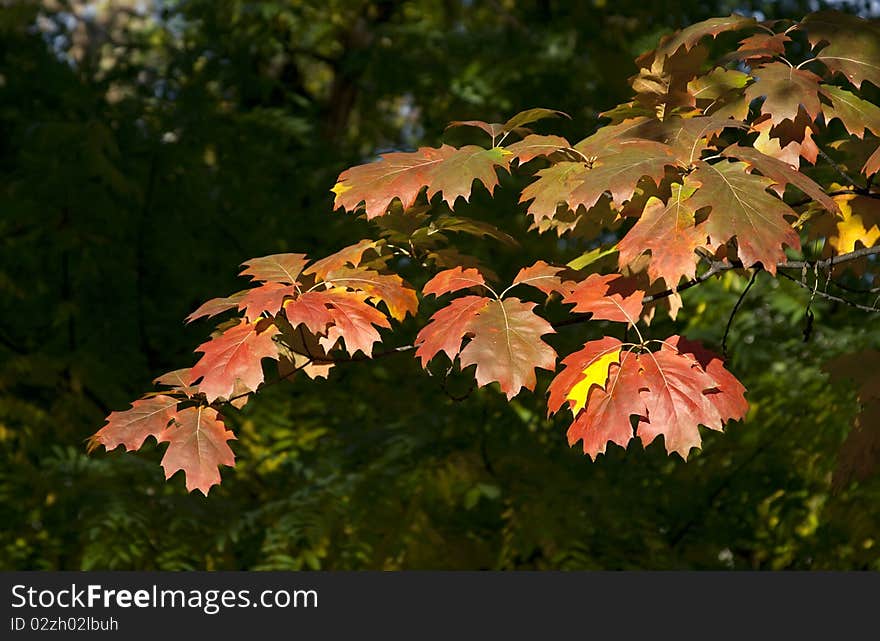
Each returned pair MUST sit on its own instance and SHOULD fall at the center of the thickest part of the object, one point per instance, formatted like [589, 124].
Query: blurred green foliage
[147, 148]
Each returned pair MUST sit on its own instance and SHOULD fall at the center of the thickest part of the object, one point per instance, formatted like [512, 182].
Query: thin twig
[735, 310]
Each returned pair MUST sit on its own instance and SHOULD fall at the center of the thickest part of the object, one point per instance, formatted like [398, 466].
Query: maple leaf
[268, 297]
[785, 90]
[178, 380]
[588, 366]
[606, 417]
[277, 268]
[727, 394]
[147, 417]
[671, 392]
[544, 277]
[350, 256]
[506, 346]
[853, 45]
[690, 36]
[857, 224]
[353, 321]
[605, 296]
[742, 208]
[453, 280]
[761, 45]
[391, 289]
[855, 114]
[448, 327]
[535, 146]
[781, 173]
[216, 306]
[197, 444]
[675, 400]
[579, 184]
[402, 176]
[687, 137]
[236, 354]
[669, 232]
[309, 309]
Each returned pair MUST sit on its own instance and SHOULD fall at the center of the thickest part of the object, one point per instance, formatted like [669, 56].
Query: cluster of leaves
[704, 168]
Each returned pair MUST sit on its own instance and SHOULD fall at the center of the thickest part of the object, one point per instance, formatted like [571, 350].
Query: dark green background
[143, 157]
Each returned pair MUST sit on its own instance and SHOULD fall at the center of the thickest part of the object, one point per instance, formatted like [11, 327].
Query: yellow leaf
[595, 374]
[856, 225]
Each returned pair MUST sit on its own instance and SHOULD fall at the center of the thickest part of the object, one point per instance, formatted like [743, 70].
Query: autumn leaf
[236, 354]
[544, 277]
[535, 146]
[506, 346]
[147, 417]
[453, 280]
[605, 297]
[741, 208]
[669, 391]
[390, 289]
[354, 321]
[690, 36]
[278, 268]
[350, 256]
[197, 444]
[579, 184]
[448, 327]
[855, 114]
[853, 45]
[178, 380]
[267, 298]
[607, 416]
[310, 310]
[669, 232]
[402, 176]
[216, 306]
[781, 173]
[785, 90]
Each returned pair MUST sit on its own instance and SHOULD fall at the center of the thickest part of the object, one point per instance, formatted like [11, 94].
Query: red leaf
[669, 232]
[278, 268]
[391, 289]
[606, 298]
[535, 146]
[742, 208]
[573, 370]
[309, 309]
[507, 346]
[216, 306]
[448, 327]
[402, 176]
[785, 90]
[616, 170]
[147, 417]
[671, 392]
[235, 354]
[544, 277]
[350, 256]
[197, 444]
[728, 394]
[782, 174]
[353, 321]
[178, 380]
[453, 280]
[606, 417]
[268, 298]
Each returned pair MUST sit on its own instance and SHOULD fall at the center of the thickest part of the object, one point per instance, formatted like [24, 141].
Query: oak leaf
[236, 354]
[197, 444]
